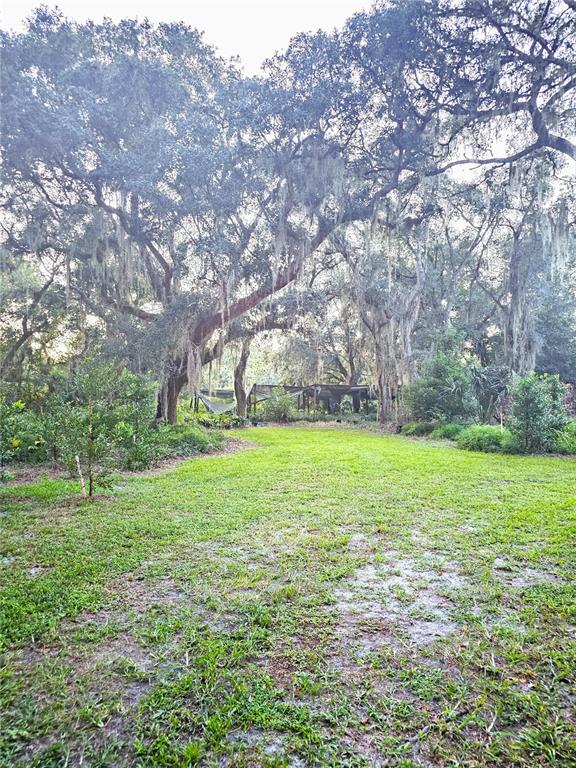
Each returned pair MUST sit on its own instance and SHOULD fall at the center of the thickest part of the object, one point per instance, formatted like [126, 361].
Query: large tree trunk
[408, 315]
[167, 403]
[240, 378]
[382, 381]
[519, 336]
[383, 395]
[353, 379]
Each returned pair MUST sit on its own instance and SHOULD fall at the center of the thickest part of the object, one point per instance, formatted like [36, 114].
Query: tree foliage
[408, 173]
[445, 389]
[538, 413]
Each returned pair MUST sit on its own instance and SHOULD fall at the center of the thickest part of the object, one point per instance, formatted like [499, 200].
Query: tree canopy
[410, 173]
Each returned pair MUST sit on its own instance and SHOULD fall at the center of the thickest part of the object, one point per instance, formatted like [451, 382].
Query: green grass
[328, 597]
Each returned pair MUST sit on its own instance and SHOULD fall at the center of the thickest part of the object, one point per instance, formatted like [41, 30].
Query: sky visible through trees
[373, 191]
[254, 30]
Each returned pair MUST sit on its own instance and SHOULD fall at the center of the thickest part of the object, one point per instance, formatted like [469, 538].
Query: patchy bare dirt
[520, 577]
[409, 602]
[26, 474]
[397, 599]
[38, 568]
[256, 742]
[110, 656]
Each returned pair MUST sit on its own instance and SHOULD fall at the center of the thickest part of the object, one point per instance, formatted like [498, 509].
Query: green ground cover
[323, 597]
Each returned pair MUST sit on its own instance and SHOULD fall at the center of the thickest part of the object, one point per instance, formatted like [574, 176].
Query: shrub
[226, 420]
[418, 428]
[566, 440]
[142, 451]
[280, 406]
[539, 413]
[21, 437]
[558, 395]
[444, 392]
[103, 419]
[483, 437]
[447, 431]
[189, 440]
[570, 400]
[54, 414]
[491, 385]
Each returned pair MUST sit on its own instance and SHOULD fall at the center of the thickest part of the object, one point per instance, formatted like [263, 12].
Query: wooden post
[82, 483]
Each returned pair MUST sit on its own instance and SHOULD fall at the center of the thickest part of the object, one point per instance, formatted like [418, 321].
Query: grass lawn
[325, 597]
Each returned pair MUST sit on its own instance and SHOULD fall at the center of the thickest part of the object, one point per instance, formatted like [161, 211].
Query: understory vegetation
[93, 421]
[324, 597]
[454, 398]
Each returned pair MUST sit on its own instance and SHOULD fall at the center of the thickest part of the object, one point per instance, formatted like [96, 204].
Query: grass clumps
[566, 441]
[418, 428]
[487, 438]
[447, 431]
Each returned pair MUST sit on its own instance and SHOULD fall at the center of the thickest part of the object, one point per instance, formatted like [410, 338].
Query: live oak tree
[184, 192]
[160, 199]
[104, 164]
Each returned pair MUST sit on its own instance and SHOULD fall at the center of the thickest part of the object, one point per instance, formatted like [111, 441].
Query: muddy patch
[268, 745]
[37, 569]
[521, 577]
[400, 600]
[141, 594]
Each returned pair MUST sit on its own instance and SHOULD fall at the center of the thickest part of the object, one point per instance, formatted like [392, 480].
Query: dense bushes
[189, 440]
[483, 437]
[537, 422]
[280, 406]
[94, 421]
[418, 428]
[490, 439]
[447, 431]
[226, 420]
[491, 386]
[539, 413]
[445, 391]
[21, 436]
[566, 439]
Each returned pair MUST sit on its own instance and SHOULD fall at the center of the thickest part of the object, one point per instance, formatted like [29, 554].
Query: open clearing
[328, 597]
